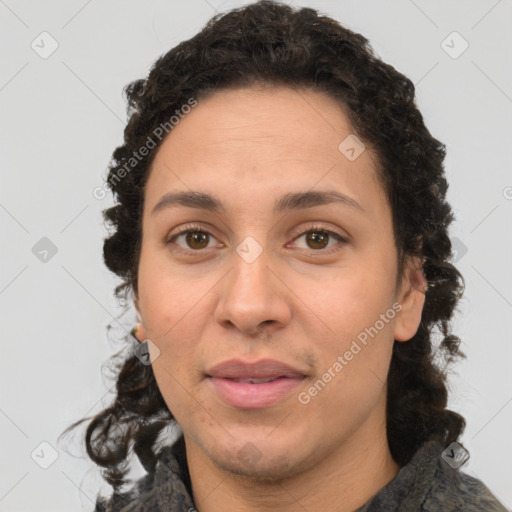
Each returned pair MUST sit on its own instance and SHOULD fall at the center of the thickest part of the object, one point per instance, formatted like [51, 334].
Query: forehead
[267, 116]
[260, 140]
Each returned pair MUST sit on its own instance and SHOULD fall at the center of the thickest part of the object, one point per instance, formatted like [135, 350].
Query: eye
[318, 238]
[194, 238]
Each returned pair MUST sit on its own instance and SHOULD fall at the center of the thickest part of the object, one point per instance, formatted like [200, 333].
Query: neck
[345, 479]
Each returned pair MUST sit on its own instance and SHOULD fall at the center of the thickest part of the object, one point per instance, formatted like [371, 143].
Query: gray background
[63, 116]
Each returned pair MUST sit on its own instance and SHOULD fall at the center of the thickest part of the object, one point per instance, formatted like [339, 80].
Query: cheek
[174, 309]
[167, 299]
[356, 309]
[171, 374]
[353, 369]
[175, 320]
[350, 300]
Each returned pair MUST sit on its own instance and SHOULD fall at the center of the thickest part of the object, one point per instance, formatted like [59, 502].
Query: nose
[252, 296]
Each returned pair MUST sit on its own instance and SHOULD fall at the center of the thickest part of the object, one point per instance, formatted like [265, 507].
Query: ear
[140, 332]
[411, 297]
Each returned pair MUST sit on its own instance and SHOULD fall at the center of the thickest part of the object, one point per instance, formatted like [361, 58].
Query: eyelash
[311, 229]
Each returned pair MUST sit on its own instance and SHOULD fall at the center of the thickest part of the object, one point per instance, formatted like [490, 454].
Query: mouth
[254, 380]
[254, 385]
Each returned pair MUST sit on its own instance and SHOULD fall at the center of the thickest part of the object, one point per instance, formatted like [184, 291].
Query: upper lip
[265, 368]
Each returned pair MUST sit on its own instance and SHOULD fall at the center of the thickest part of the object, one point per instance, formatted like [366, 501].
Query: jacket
[426, 484]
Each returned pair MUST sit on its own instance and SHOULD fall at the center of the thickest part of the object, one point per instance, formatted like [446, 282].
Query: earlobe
[412, 300]
[139, 331]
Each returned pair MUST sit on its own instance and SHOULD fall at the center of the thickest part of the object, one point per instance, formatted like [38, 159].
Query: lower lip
[245, 395]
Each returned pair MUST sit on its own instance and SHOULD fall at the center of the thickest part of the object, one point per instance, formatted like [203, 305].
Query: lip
[248, 395]
[239, 369]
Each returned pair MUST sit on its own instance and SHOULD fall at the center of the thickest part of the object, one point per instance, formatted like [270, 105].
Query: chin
[258, 467]
[256, 455]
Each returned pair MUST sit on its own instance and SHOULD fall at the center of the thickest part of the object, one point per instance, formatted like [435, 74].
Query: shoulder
[453, 490]
[141, 498]
[164, 489]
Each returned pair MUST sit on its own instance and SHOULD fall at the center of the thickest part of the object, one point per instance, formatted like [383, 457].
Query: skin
[297, 302]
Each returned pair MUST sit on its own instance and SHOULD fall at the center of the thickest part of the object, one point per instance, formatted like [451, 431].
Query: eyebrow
[287, 202]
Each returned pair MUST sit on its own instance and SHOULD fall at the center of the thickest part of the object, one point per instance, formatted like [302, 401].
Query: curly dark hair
[272, 43]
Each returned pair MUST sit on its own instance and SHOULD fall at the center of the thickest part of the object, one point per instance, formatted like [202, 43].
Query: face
[288, 260]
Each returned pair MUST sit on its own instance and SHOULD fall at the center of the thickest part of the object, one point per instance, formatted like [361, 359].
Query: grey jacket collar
[426, 484]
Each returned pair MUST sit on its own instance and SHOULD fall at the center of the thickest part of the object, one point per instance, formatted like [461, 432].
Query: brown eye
[317, 239]
[197, 239]
[192, 240]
